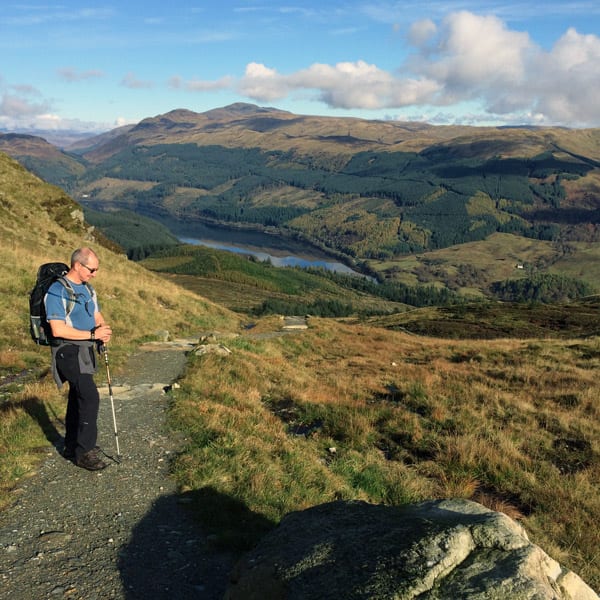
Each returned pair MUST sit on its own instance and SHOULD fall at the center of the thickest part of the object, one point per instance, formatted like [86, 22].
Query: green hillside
[378, 205]
[43, 159]
[289, 291]
[137, 235]
[388, 197]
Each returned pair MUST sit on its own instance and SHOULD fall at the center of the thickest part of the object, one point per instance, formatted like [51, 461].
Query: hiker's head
[84, 262]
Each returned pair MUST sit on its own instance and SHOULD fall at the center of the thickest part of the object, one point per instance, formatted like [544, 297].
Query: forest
[449, 200]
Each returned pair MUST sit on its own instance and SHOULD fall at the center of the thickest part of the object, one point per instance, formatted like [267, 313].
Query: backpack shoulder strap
[72, 296]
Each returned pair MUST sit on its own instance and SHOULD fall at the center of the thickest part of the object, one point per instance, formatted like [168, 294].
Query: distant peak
[244, 108]
[180, 112]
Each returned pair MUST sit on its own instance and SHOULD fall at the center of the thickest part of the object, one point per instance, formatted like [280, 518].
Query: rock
[212, 349]
[213, 337]
[292, 322]
[446, 549]
[77, 215]
[162, 335]
[54, 539]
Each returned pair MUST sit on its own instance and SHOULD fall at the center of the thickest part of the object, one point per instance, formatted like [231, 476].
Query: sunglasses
[88, 268]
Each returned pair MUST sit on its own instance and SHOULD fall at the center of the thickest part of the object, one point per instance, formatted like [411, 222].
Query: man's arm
[63, 331]
[99, 319]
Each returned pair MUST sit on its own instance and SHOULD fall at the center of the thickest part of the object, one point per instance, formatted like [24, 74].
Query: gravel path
[121, 533]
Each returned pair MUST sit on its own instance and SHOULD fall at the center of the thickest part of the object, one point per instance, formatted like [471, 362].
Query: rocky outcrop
[447, 549]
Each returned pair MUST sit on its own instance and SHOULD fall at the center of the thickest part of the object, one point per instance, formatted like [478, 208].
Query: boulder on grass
[446, 549]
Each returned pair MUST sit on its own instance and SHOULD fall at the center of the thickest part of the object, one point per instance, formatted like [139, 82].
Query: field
[355, 411]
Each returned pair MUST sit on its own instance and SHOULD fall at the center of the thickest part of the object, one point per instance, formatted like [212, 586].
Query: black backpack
[47, 274]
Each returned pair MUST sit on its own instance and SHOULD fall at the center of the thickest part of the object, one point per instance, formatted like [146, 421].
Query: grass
[242, 284]
[354, 411]
[489, 320]
[472, 267]
[27, 421]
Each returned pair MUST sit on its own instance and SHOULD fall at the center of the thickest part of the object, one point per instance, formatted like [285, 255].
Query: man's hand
[103, 333]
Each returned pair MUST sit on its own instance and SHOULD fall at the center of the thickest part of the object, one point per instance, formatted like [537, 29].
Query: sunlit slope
[40, 223]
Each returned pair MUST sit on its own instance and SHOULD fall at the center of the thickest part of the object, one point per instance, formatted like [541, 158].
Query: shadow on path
[169, 554]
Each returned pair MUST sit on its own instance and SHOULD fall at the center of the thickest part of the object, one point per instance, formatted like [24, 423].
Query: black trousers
[83, 403]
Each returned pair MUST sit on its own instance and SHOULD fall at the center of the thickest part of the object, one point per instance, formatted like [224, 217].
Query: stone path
[122, 533]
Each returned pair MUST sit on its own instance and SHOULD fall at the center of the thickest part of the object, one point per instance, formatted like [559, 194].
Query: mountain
[463, 207]
[61, 138]
[87, 144]
[43, 158]
[249, 126]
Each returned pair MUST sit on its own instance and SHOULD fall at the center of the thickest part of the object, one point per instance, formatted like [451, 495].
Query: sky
[70, 65]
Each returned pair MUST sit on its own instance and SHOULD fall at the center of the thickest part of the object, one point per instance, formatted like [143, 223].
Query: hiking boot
[69, 453]
[91, 462]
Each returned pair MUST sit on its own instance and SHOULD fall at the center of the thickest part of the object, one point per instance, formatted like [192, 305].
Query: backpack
[47, 274]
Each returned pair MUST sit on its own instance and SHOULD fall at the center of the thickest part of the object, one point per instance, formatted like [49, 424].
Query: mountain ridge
[376, 192]
[365, 134]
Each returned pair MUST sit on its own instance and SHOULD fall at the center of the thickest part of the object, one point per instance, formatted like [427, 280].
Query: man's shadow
[38, 411]
[186, 545]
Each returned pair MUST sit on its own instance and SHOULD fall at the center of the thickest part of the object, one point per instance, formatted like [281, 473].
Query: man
[75, 333]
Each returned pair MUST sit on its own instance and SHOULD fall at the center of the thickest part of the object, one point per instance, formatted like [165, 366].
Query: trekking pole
[104, 350]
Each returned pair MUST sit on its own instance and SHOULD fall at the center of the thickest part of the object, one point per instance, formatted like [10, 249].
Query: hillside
[87, 144]
[40, 223]
[342, 410]
[41, 157]
[399, 199]
[270, 129]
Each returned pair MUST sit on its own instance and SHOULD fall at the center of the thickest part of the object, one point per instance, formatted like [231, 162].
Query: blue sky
[91, 67]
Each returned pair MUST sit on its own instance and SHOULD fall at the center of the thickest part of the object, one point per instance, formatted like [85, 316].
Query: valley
[464, 208]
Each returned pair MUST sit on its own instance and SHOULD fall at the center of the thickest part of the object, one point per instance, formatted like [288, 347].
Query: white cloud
[18, 112]
[37, 121]
[420, 32]
[263, 84]
[478, 58]
[344, 85]
[360, 85]
[567, 79]
[15, 107]
[467, 57]
[200, 85]
[475, 52]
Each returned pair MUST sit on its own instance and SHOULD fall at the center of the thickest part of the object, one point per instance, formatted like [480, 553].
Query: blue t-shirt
[83, 311]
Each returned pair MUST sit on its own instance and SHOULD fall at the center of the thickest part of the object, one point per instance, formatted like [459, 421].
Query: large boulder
[447, 549]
